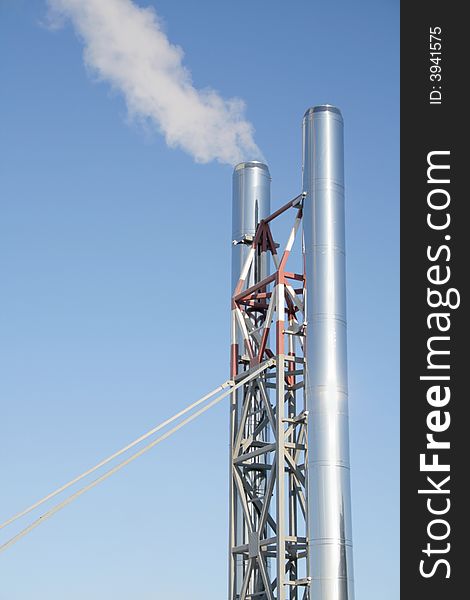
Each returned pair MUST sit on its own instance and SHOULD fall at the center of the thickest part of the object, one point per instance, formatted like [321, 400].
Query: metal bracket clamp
[245, 239]
[299, 201]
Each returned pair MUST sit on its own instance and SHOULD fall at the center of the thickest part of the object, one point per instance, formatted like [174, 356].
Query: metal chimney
[329, 502]
[251, 200]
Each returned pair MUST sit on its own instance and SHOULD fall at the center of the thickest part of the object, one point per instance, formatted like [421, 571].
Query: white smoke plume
[125, 45]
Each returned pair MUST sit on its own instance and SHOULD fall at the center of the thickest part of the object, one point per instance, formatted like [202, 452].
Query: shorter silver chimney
[251, 203]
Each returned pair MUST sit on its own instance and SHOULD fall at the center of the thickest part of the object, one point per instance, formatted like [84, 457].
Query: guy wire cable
[119, 466]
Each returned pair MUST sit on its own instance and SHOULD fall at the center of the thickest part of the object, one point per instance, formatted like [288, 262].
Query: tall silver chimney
[329, 502]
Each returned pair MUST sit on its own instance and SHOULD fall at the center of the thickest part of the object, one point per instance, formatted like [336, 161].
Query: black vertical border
[425, 128]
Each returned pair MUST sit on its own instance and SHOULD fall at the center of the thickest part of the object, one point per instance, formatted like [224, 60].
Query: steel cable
[232, 386]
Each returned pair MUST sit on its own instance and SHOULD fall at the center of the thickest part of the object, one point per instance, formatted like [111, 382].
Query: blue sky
[114, 248]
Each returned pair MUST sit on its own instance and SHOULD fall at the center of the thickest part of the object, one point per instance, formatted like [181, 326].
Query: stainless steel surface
[330, 538]
[251, 202]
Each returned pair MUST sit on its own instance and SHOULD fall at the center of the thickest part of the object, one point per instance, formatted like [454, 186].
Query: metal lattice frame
[268, 428]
